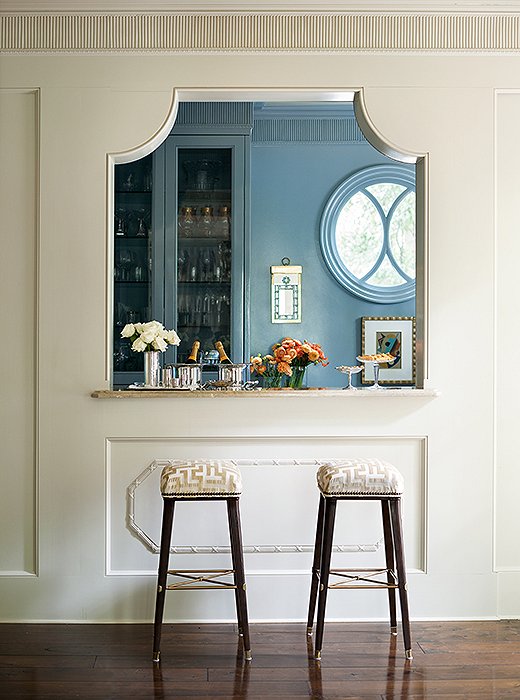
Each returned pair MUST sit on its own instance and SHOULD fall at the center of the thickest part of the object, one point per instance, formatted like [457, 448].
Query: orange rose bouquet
[290, 358]
[270, 369]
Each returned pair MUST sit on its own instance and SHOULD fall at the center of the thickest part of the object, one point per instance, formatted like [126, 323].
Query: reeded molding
[260, 31]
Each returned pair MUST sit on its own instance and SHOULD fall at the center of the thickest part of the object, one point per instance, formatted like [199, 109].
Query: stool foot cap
[248, 655]
[317, 655]
[309, 631]
[408, 654]
[156, 657]
[393, 630]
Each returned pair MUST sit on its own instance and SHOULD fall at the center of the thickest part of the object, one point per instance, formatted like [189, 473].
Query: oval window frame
[399, 174]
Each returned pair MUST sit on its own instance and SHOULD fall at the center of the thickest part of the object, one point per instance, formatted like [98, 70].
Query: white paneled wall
[92, 564]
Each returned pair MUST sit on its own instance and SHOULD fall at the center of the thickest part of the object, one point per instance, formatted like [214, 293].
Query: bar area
[258, 413]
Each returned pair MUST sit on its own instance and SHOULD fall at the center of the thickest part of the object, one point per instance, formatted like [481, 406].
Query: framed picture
[394, 335]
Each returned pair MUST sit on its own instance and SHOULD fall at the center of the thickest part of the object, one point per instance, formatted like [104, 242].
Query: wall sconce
[286, 292]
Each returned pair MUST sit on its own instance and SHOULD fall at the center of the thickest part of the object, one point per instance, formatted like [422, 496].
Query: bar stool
[202, 480]
[360, 479]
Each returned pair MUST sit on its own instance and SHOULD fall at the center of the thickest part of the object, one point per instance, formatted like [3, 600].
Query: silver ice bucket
[189, 376]
[234, 374]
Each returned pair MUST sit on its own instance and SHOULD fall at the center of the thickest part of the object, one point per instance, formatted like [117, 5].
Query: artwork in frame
[394, 335]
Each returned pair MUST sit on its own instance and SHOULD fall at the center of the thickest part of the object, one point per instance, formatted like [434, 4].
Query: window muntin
[368, 233]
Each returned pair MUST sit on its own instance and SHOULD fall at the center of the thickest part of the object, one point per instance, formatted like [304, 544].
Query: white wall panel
[19, 175]
[507, 474]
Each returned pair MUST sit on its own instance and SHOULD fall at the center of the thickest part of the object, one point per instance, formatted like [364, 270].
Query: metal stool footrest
[357, 579]
[200, 579]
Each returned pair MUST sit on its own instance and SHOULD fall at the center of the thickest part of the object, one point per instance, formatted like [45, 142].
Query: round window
[367, 233]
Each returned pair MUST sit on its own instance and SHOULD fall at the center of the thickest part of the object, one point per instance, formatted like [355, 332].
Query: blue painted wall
[290, 185]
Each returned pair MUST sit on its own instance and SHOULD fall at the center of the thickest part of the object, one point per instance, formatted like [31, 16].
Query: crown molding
[283, 6]
[259, 32]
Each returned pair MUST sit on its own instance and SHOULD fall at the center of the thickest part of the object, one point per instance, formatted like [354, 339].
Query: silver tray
[138, 387]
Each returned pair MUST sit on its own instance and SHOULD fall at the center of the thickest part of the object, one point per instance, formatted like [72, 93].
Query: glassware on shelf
[142, 231]
[123, 268]
[205, 223]
[187, 222]
[120, 231]
[183, 265]
[148, 178]
[207, 264]
[201, 174]
[350, 370]
[223, 224]
[129, 183]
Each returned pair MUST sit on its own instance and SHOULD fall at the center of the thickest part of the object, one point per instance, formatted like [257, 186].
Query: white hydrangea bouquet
[149, 337]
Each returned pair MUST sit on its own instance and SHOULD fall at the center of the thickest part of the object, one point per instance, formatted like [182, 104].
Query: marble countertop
[316, 392]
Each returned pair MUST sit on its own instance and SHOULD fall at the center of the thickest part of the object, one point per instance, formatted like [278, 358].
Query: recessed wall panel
[18, 294]
[278, 504]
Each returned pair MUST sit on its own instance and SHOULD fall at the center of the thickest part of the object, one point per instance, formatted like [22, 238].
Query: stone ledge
[317, 392]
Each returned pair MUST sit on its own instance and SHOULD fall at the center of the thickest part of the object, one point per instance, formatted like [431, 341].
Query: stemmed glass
[350, 370]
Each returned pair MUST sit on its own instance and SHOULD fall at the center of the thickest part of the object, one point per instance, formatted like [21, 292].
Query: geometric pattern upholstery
[200, 478]
[359, 477]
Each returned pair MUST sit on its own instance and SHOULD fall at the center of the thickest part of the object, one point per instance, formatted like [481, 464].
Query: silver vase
[152, 368]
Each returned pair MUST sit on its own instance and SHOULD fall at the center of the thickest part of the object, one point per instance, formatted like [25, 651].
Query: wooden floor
[360, 661]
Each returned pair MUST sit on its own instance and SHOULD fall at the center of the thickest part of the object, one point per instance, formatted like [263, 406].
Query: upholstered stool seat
[359, 479]
[202, 480]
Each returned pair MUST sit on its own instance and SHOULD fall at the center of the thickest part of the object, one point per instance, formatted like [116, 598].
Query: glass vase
[296, 380]
[152, 368]
[273, 382]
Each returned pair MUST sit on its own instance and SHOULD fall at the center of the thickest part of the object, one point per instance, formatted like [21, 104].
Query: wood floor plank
[474, 661]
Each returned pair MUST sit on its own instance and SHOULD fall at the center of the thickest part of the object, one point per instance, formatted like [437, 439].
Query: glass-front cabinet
[204, 243]
[133, 233]
[179, 239]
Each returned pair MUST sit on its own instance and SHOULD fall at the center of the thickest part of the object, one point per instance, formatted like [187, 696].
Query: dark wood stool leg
[316, 565]
[235, 535]
[328, 534]
[395, 512]
[390, 564]
[164, 556]
[231, 515]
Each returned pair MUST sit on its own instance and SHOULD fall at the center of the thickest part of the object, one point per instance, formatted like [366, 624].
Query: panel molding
[336, 32]
[272, 548]
[34, 274]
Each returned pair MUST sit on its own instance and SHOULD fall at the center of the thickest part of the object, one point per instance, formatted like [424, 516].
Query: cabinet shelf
[203, 239]
[132, 282]
[127, 192]
[202, 194]
[227, 282]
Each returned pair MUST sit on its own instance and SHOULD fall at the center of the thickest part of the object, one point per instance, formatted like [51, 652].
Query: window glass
[359, 234]
[368, 233]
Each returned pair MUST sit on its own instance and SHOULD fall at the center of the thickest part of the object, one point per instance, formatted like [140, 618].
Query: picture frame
[393, 334]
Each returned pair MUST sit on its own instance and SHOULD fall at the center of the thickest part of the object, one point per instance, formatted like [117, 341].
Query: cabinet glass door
[132, 261]
[208, 223]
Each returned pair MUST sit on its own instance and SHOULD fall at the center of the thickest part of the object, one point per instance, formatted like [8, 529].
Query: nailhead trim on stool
[359, 477]
[200, 479]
